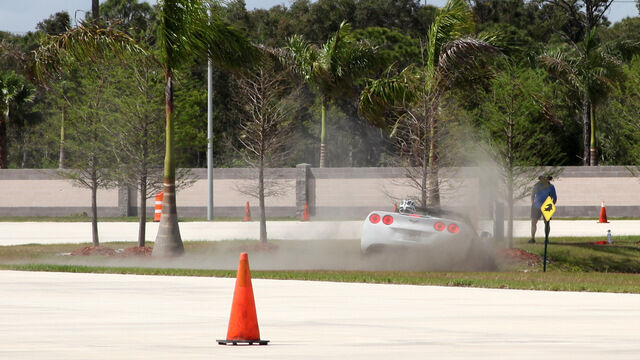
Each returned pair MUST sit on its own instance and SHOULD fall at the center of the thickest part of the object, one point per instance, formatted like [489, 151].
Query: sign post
[548, 208]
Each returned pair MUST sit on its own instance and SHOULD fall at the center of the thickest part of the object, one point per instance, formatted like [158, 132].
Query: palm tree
[185, 31]
[14, 92]
[331, 68]
[593, 69]
[417, 91]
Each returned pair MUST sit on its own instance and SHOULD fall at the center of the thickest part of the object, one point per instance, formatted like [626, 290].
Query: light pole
[210, 138]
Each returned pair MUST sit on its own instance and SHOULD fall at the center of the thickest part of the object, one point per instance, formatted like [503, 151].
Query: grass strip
[550, 281]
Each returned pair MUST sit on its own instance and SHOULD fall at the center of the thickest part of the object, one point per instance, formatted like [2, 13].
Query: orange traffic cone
[603, 214]
[305, 214]
[395, 207]
[158, 208]
[247, 212]
[243, 322]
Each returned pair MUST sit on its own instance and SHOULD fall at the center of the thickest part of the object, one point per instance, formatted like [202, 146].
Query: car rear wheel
[481, 256]
[374, 249]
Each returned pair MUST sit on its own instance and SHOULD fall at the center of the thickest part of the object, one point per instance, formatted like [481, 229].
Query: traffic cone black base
[242, 342]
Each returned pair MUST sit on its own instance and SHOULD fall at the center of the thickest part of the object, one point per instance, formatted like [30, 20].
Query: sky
[21, 16]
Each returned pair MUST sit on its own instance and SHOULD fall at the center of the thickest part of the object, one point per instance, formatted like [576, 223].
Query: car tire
[374, 249]
[481, 256]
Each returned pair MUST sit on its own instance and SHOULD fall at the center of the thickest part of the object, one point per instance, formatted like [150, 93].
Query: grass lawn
[575, 264]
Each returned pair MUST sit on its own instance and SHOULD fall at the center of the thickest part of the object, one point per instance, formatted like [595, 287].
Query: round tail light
[387, 220]
[453, 228]
[374, 218]
[439, 226]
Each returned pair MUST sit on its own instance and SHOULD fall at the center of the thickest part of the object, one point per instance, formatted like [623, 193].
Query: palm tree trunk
[322, 132]
[95, 9]
[168, 241]
[593, 154]
[586, 125]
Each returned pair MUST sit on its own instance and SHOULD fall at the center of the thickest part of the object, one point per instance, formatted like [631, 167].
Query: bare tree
[518, 123]
[264, 130]
[86, 145]
[414, 133]
[137, 133]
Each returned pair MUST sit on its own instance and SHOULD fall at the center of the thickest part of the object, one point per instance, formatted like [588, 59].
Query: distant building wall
[329, 193]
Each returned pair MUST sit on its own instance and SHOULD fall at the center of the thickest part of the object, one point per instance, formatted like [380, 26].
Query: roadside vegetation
[522, 84]
[576, 264]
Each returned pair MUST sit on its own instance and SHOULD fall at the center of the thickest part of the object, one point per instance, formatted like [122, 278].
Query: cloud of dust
[471, 191]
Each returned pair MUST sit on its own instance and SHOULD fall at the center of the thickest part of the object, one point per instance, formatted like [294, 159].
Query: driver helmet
[407, 207]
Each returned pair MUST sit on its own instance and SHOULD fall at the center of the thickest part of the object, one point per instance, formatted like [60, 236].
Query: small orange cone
[305, 214]
[247, 212]
[243, 322]
[395, 207]
[603, 214]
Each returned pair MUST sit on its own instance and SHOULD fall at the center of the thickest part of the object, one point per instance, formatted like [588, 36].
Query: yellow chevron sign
[548, 208]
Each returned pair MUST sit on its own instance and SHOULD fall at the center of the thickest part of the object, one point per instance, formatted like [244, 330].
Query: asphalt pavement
[101, 316]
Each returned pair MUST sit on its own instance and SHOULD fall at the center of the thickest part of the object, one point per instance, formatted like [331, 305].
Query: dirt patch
[518, 256]
[105, 251]
[136, 251]
[310, 255]
[94, 250]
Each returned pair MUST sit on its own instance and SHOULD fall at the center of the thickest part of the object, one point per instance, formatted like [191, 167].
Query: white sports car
[433, 230]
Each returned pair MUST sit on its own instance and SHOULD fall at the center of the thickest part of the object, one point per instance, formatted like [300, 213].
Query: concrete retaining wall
[329, 192]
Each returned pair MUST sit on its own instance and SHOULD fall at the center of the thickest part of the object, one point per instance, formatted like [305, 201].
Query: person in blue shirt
[541, 190]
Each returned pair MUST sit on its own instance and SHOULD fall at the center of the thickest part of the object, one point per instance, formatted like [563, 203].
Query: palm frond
[623, 49]
[87, 42]
[388, 93]
[590, 41]
[186, 30]
[559, 62]
[299, 56]
[180, 29]
[15, 90]
[228, 47]
[332, 67]
[452, 21]
[457, 53]
[334, 49]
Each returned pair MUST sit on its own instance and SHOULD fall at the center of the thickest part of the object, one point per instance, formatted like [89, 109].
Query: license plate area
[415, 236]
